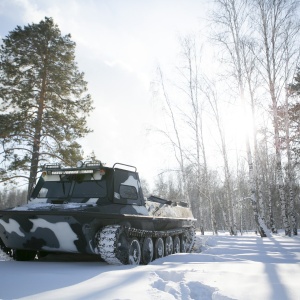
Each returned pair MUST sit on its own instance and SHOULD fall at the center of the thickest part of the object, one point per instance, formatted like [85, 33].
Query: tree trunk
[177, 143]
[278, 28]
[271, 217]
[213, 220]
[226, 221]
[234, 21]
[290, 177]
[268, 181]
[279, 173]
[37, 137]
[213, 101]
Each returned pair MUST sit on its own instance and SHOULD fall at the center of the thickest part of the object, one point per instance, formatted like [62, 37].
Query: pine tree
[43, 101]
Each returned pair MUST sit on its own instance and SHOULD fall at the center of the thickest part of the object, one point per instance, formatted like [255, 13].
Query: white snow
[42, 205]
[156, 209]
[92, 201]
[229, 267]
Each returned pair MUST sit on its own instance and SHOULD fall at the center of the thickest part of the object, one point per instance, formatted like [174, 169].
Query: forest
[231, 127]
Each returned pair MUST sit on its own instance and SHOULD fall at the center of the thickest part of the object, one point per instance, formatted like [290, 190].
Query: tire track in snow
[174, 284]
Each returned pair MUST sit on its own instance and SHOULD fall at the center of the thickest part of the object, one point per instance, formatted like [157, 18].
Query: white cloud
[119, 44]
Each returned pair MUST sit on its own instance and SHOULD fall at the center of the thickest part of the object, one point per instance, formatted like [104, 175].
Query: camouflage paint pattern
[70, 205]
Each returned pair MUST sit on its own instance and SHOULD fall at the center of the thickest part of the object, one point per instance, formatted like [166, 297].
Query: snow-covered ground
[222, 267]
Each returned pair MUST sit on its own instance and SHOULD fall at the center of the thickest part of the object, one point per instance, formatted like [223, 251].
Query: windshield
[73, 188]
[55, 189]
[90, 189]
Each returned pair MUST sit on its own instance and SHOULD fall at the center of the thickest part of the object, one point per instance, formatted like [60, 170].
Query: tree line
[12, 197]
[255, 46]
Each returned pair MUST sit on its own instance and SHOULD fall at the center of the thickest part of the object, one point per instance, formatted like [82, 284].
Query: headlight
[79, 164]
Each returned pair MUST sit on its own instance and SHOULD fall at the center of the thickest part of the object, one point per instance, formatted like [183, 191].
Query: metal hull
[72, 231]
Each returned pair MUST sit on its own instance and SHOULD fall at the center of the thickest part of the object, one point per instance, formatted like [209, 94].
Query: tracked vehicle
[97, 210]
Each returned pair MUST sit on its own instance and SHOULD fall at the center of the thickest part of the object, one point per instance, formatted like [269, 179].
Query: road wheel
[147, 251]
[183, 246]
[134, 252]
[176, 244]
[169, 246]
[159, 248]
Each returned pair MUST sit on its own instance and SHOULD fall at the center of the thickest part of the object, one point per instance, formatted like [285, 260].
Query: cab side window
[128, 192]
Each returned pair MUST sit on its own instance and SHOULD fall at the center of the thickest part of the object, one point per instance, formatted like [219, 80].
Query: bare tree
[258, 59]
[212, 97]
[290, 172]
[190, 72]
[252, 82]
[291, 59]
[193, 119]
[266, 167]
[190, 112]
[276, 26]
[176, 140]
[232, 16]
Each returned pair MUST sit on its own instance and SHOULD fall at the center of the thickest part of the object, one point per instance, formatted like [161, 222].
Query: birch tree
[212, 97]
[173, 134]
[191, 74]
[252, 82]
[232, 16]
[272, 20]
[291, 58]
[290, 120]
[267, 171]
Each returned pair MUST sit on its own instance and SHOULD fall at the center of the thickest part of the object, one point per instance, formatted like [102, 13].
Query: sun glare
[238, 125]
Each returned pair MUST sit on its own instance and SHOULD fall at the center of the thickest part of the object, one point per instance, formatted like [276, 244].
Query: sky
[119, 47]
[223, 267]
